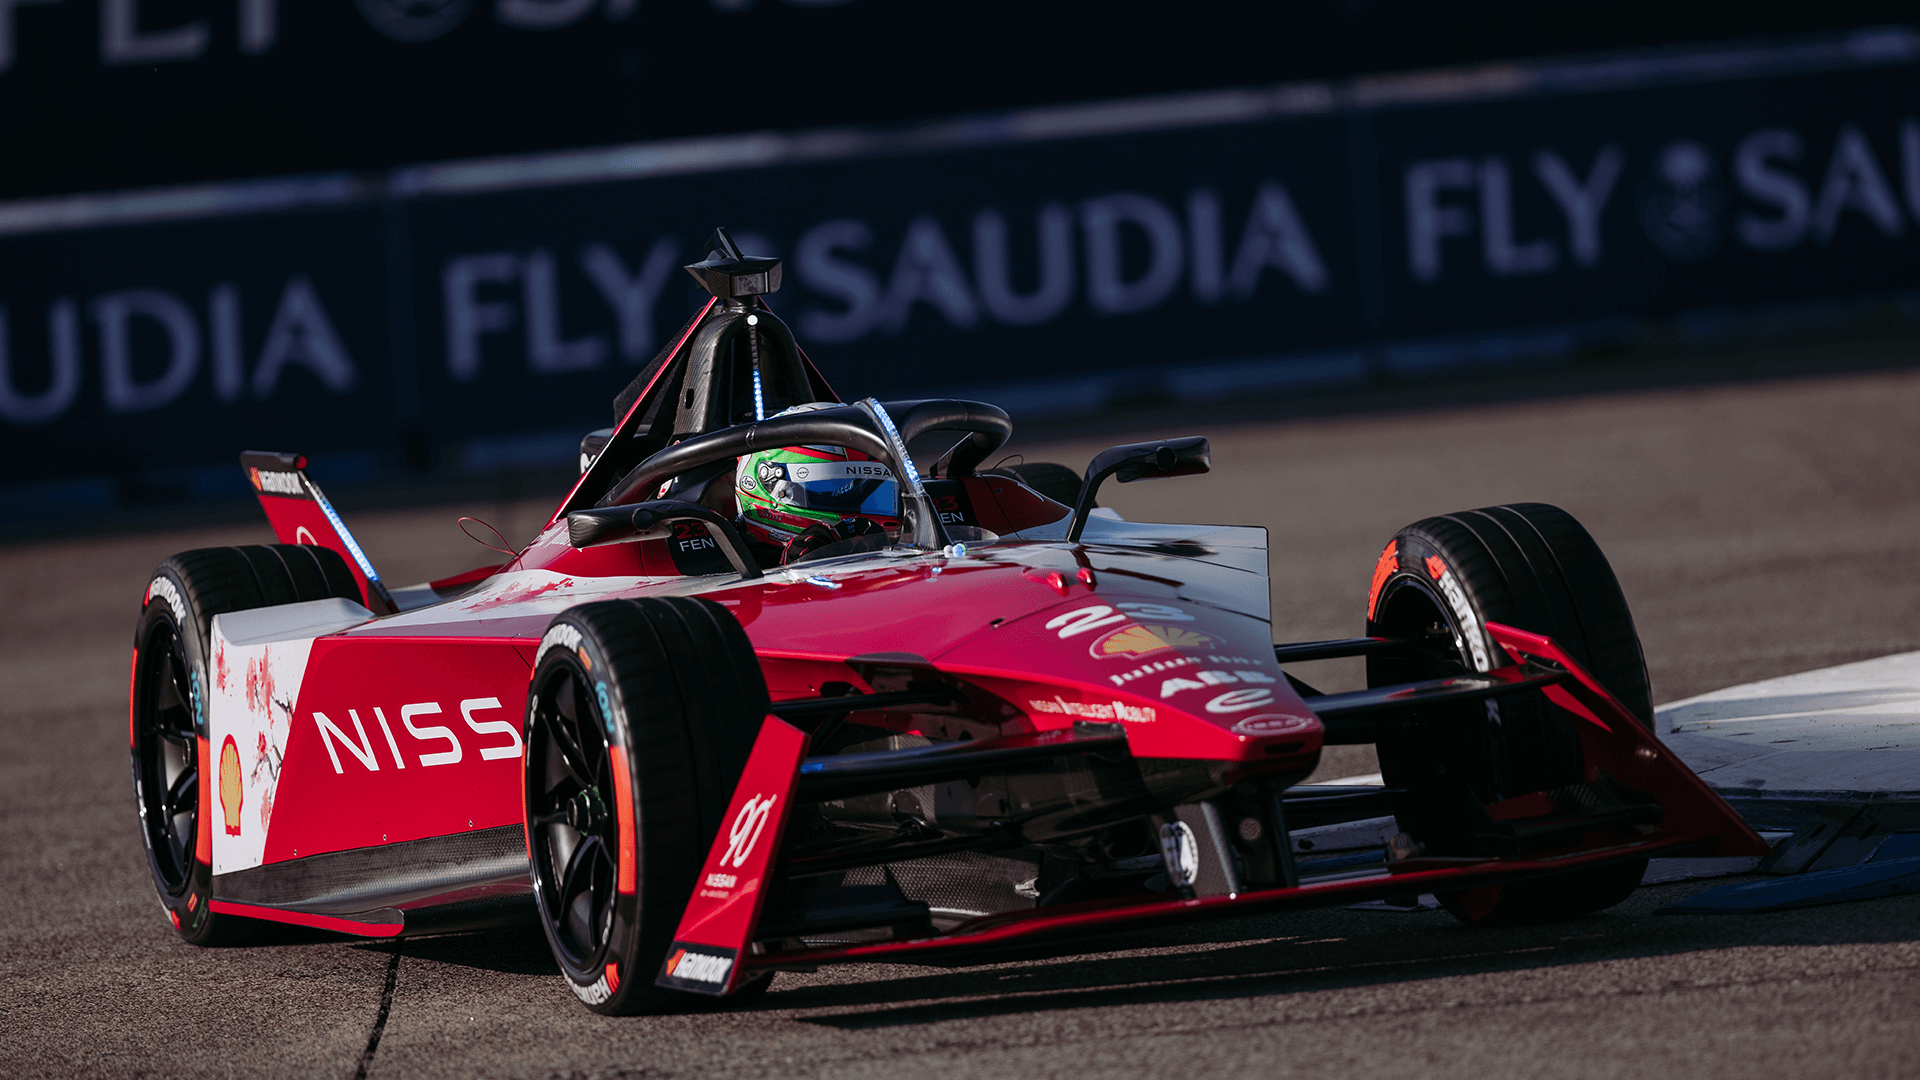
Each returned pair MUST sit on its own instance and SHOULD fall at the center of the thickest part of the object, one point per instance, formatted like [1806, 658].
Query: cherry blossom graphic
[259, 684]
[519, 593]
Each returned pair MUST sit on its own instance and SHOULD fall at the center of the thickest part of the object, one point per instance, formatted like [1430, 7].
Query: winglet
[716, 929]
[301, 514]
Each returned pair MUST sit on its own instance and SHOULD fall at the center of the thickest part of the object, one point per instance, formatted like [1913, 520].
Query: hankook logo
[698, 967]
[277, 483]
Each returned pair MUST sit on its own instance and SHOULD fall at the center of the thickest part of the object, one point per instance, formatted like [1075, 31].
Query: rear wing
[301, 514]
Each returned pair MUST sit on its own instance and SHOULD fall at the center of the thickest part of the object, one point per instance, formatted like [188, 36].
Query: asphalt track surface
[1758, 528]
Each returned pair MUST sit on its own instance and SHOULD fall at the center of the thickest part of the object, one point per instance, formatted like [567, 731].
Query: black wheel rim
[1500, 748]
[571, 819]
[1464, 737]
[166, 753]
[1409, 607]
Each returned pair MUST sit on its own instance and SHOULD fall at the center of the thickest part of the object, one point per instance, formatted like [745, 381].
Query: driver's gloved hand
[767, 555]
[818, 536]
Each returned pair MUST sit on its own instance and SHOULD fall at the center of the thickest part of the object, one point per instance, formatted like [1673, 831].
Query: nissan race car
[973, 711]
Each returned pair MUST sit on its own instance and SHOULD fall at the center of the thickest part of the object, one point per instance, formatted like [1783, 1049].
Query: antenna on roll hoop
[729, 275]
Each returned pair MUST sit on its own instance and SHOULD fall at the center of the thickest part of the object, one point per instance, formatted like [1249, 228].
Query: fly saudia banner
[1297, 230]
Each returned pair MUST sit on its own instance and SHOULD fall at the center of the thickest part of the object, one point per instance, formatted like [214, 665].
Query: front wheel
[639, 722]
[1529, 566]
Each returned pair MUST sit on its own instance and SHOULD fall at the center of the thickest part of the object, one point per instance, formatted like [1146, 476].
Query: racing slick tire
[174, 779]
[1057, 482]
[1534, 567]
[639, 721]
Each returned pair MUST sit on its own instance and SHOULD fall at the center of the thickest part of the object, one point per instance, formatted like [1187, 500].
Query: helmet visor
[864, 488]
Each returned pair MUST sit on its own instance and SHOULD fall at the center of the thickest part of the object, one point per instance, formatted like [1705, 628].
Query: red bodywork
[373, 752]
[404, 729]
[400, 689]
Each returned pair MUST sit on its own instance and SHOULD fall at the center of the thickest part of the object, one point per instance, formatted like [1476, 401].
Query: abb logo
[360, 744]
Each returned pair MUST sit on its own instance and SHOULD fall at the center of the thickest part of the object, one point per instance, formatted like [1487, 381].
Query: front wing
[721, 944]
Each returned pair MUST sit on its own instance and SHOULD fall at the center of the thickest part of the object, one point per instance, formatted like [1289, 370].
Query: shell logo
[231, 792]
[1138, 640]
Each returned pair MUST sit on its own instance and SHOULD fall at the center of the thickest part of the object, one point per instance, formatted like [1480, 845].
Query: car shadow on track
[511, 950]
[1238, 958]
[1319, 951]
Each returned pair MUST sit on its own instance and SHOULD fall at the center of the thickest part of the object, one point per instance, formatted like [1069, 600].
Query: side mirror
[592, 445]
[1139, 461]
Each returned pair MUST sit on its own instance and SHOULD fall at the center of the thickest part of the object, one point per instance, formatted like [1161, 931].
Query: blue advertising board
[1314, 234]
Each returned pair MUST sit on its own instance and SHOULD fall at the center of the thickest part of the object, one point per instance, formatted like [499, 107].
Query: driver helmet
[785, 492]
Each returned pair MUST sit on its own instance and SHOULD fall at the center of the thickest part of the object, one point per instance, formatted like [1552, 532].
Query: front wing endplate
[717, 927]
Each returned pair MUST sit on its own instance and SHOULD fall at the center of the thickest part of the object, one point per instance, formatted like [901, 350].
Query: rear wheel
[639, 722]
[1530, 566]
[167, 715]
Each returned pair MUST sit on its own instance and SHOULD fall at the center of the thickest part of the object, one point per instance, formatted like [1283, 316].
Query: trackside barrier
[1270, 239]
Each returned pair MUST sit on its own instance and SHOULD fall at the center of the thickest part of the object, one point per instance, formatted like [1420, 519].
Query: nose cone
[1187, 680]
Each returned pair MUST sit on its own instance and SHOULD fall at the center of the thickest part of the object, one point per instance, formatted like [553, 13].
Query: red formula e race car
[918, 710]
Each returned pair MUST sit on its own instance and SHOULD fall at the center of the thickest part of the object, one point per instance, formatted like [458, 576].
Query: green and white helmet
[784, 492]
